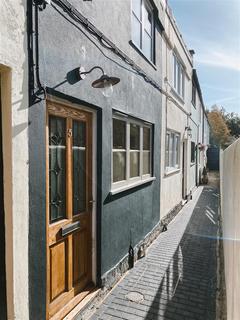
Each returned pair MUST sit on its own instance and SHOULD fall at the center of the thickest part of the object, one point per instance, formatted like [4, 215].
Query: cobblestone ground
[178, 277]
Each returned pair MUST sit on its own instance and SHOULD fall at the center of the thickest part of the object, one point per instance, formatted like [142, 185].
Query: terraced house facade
[97, 98]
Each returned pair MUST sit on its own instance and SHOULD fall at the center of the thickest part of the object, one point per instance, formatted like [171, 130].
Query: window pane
[177, 143]
[79, 167]
[147, 20]
[57, 168]
[182, 82]
[136, 7]
[167, 150]
[146, 138]
[119, 166]
[119, 134]
[171, 151]
[134, 137]
[147, 45]
[136, 31]
[146, 162]
[179, 78]
[134, 164]
[175, 71]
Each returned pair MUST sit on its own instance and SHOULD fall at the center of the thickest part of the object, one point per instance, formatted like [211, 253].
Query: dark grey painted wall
[63, 47]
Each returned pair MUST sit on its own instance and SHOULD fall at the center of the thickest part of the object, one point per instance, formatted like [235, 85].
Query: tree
[220, 133]
[233, 123]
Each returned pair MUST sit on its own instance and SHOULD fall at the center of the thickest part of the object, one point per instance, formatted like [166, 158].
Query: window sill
[132, 185]
[177, 95]
[171, 172]
[142, 54]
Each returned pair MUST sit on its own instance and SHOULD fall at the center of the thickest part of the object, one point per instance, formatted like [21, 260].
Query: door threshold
[67, 312]
[83, 304]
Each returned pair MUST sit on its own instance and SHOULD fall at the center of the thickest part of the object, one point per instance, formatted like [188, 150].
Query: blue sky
[212, 29]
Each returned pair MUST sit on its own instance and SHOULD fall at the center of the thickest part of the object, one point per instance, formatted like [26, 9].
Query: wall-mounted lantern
[105, 82]
[189, 131]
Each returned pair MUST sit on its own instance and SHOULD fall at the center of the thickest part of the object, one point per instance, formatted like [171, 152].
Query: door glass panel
[79, 167]
[57, 168]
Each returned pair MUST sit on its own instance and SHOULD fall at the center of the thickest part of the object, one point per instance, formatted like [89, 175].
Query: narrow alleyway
[178, 277]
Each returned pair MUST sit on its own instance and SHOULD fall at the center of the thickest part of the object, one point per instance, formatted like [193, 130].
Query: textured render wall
[60, 52]
[138, 210]
[13, 67]
[230, 209]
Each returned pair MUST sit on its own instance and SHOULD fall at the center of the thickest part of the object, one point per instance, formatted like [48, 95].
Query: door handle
[69, 228]
[91, 201]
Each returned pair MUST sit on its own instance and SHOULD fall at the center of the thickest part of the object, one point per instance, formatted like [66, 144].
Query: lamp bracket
[83, 73]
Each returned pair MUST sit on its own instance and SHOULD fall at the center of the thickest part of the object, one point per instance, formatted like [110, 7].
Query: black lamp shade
[103, 80]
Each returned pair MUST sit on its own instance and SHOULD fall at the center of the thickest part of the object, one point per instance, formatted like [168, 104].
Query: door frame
[79, 106]
[3, 282]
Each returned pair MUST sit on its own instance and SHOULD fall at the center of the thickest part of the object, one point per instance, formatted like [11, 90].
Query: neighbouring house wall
[14, 94]
[175, 113]
[230, 210]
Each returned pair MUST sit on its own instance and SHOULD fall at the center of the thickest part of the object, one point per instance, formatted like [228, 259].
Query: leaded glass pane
[79, 167]
[57, 168]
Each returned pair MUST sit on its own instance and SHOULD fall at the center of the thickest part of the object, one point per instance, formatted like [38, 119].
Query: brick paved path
[177, 278]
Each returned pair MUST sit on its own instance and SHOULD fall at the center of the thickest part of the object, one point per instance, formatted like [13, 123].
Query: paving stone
[177, 278]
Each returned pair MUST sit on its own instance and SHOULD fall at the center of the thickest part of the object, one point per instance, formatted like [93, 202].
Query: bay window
[131, 151]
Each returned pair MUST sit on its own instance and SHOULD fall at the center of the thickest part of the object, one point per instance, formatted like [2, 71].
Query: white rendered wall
[174, 115]
[14, 85]
[230, 209]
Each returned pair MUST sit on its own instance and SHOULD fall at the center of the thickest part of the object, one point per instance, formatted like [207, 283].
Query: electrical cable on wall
[77, 17]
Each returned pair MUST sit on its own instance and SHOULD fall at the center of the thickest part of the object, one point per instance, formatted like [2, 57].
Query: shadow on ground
[188, 288]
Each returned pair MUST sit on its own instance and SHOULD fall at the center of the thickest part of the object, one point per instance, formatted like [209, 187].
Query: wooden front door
[69, 208]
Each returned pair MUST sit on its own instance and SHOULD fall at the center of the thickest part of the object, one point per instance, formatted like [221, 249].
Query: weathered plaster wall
[13, 68]
[230, 210]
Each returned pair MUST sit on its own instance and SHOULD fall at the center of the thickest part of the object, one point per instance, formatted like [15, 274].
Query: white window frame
[178, 76]
[147, 5]
[172, 161]
[142, 177]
